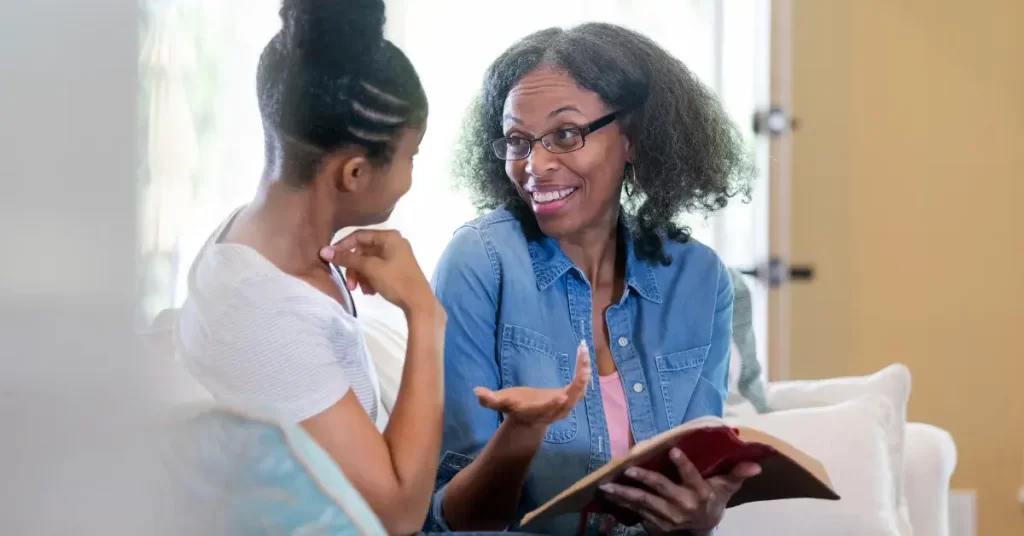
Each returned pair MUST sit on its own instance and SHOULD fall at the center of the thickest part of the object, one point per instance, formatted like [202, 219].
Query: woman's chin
[557, 227]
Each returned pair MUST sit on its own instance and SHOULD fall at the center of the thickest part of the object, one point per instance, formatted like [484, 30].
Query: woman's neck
[595, 252]
[286, 225]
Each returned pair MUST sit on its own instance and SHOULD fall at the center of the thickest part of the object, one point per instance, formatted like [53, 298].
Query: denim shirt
[516, 309]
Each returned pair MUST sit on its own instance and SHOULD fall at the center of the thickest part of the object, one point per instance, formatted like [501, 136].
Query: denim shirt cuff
[451, 464]
[436, 521]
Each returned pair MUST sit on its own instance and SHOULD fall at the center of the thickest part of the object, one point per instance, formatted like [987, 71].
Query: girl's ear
[355, 174]
[347, 172]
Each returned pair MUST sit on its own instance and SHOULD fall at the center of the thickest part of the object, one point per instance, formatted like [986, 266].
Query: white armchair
[929, 453]
[930, 461]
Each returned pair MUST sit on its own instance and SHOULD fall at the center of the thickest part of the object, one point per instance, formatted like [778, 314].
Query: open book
[715, 448]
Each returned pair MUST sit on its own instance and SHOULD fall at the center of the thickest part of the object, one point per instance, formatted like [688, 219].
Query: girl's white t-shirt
[252, 334]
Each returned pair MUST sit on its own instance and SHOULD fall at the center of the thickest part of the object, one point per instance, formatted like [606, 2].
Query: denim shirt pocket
[528, 359]
[678, 373]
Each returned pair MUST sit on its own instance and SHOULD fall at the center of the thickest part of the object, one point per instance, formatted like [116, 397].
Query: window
[200, 128]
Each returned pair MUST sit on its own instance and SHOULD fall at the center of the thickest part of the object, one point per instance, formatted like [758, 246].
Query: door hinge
[774, 121]
[776, 272]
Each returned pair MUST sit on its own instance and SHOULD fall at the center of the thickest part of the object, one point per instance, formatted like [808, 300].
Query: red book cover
[715, 449]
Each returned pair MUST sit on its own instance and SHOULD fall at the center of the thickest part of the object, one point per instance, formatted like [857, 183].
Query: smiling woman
[586, 144]
[684, 155]
[547, 198]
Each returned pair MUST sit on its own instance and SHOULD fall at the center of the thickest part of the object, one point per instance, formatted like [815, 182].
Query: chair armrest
[930, 460]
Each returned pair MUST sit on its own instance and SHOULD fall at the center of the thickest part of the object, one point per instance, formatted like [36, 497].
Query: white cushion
[386, 334]
[835, 435]
[892, 382]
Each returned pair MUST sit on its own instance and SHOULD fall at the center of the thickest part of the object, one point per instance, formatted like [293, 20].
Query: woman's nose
[541, 161]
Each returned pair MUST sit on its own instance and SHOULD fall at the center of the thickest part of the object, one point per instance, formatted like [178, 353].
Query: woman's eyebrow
[569, 108]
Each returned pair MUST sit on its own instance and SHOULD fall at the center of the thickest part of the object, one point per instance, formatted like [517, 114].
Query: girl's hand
[382, 262]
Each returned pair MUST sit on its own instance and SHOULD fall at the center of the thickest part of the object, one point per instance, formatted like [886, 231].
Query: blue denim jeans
[475, 534]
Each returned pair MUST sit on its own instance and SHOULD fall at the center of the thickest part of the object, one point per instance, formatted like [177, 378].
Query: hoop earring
[629, 181]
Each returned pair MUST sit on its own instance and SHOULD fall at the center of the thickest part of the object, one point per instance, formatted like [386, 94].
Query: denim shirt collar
[550, 262]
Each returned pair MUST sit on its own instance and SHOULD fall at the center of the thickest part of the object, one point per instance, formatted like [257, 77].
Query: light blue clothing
[243, 471]
[247, 472]
[515, 311]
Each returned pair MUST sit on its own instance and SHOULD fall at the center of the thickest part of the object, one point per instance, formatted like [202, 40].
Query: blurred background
[888, 134]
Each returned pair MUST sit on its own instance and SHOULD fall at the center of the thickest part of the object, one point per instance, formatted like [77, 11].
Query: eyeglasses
[563, 140]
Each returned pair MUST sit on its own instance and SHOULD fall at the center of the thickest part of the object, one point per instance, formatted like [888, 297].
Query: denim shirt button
[638, 387]
[623, 342]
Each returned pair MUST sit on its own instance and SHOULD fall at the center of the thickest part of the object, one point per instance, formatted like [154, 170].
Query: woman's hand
[532, 407]
[694, 504]
[382, 262]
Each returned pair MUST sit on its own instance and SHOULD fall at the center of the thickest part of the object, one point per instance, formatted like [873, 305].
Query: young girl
[268, 318]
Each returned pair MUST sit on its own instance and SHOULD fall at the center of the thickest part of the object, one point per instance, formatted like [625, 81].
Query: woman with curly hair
[585, 146]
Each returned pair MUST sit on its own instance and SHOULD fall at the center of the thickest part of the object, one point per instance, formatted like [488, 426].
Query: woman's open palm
[533, 406]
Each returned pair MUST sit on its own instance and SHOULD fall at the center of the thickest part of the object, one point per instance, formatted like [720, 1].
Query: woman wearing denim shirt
[585, 144]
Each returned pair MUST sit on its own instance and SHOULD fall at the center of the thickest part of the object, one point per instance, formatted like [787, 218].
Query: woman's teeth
[547, 197]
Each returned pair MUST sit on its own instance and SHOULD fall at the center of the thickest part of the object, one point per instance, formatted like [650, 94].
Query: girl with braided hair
[269, 318]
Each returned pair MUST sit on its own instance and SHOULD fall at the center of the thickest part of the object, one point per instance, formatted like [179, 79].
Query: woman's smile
[550, 200]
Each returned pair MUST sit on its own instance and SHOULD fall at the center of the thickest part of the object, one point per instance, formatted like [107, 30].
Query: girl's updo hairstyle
[328, 79]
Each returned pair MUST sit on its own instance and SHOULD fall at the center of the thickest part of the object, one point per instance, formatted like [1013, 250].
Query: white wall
[72, 386]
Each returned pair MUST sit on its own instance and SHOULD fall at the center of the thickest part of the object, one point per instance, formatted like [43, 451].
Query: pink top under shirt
[616, 414]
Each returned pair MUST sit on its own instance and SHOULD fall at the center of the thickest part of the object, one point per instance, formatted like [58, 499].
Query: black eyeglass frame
[584, 131]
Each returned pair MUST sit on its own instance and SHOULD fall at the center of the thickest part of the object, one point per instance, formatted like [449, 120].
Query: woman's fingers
[684, 498]
[529, 405]
[488, 399]
[731, 483]
[558, 406]
[541, 406]
[651, 506]
[694, 503]
[689, 476]
[579, 383]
